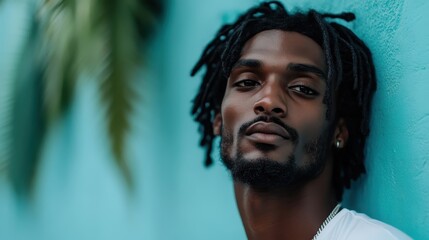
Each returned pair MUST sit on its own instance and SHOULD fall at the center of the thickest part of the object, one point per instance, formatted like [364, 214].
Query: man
[290, 96]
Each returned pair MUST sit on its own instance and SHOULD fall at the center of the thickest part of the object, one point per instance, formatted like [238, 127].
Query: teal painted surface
[81, 195]
[396, 188]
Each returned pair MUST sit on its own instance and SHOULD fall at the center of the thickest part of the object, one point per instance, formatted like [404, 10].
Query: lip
[267, 132]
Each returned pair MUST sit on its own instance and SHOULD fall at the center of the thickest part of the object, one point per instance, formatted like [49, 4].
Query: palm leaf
[28, 123]
[100, 38]
[124, 55]
[59, 59]
[96, 38]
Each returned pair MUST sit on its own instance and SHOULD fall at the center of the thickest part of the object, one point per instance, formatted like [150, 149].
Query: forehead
[279, 44]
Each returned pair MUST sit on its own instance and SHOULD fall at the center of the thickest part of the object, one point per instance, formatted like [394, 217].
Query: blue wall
[81, 195]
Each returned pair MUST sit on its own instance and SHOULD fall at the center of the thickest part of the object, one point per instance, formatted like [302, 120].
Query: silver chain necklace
[327, 220]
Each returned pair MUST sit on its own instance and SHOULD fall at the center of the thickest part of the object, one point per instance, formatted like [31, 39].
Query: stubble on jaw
[267, 174]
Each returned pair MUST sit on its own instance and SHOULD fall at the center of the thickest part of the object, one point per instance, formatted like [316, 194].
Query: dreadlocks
[350, 76]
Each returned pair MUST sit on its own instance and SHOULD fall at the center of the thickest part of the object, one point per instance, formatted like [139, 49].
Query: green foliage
[71, 39]
[21, 112]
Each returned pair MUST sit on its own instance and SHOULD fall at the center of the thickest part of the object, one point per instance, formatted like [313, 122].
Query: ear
[217, 124]
[341, 134]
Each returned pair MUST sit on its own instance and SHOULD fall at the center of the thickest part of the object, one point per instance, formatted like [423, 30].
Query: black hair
[350, 76]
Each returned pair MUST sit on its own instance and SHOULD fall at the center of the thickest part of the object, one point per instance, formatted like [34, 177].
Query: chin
[264, 152]
[262, 172]
[267, 172]
[257, 156]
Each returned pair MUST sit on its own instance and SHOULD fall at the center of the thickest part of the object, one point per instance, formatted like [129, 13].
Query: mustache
[292, 132]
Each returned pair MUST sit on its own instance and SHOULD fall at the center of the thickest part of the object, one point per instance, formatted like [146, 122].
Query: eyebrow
[251, 63]
[306, 68]
[294, 67]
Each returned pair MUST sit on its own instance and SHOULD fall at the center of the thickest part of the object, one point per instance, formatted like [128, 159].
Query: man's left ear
[341, 134]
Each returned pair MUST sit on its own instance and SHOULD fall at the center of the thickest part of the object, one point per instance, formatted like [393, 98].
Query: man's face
[273, 119]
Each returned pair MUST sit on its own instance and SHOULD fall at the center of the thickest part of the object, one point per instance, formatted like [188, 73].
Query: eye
[304, 90]
[246, 83]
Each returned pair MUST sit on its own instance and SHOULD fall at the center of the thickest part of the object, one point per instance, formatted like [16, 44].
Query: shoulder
[351, 225]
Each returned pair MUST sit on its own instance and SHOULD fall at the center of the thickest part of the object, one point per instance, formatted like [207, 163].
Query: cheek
[313, 124]
[233, 114]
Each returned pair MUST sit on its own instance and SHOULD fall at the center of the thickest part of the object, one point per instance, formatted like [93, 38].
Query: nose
[272, 101]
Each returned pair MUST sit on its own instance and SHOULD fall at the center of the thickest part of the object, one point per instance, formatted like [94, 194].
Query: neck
[286, 214]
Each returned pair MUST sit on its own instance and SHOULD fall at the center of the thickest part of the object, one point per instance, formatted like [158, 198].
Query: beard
[267, 174]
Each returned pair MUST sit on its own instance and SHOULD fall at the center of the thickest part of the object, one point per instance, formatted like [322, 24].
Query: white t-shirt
[351, 225]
